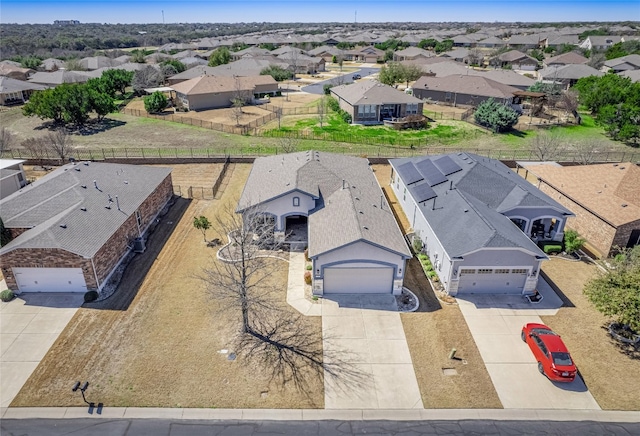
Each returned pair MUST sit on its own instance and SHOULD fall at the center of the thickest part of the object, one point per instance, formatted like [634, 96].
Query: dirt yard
[611, 373]
[433, 331]
[200, 175]
[157, 341]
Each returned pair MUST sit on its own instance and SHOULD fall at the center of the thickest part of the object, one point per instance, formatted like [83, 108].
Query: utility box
[139, 245]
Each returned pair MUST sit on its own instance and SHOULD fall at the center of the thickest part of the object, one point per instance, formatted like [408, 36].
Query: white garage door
[358, 280]
[50, 279]
[492, 281]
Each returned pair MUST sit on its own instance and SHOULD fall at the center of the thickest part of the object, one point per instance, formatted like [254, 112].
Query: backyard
[122, 135]
[158, 341]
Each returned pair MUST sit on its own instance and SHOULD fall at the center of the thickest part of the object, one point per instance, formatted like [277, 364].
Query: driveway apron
[365, 346]
[29, 325]
[495, 322]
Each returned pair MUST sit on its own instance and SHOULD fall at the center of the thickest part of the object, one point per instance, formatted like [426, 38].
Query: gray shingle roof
[371, 92]
[7, 85]
[468, 208]
[570, 71]
[351, 205]
[463, 84]
[57, 199]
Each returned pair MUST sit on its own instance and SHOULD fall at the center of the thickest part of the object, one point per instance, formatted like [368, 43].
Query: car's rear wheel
[523, 336]
[541, 368]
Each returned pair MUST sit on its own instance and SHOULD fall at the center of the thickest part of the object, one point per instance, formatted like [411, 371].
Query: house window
[467, 271]
[412, 108]
[447, 96]
[404, 195]
[296, 201]
[519, 271]
[501, 271]
[138, 218]
[485, 271]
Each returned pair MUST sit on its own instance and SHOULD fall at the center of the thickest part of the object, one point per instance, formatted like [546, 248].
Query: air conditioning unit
[139, 245]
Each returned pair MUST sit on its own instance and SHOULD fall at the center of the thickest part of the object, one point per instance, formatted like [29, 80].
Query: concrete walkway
[495, 322]
[29, 325]
[365, 334]
[320, 414]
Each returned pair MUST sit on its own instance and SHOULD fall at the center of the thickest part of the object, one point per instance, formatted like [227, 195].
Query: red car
[552, 355]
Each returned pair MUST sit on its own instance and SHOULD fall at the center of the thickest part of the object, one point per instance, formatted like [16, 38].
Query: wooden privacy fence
[445, 115]
[202, 192]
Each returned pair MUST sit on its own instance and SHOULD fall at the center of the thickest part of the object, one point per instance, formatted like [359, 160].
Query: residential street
[131, 427]
[317, 88]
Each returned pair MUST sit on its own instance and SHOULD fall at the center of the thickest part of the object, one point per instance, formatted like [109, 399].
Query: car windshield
[561, 359]
[543, 332]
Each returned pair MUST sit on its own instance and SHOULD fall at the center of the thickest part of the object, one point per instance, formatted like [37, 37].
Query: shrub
[327, 88]
[572, 241]
[422, 257]
[306, 254]
[90, 296]
[346, 116]
[431, 274]
[309, 267]
[307, 277]
[417, 246]
[333, 104]
[7, 295]
[428, 267]
[155, 102]
[549, 249]
[495, 116]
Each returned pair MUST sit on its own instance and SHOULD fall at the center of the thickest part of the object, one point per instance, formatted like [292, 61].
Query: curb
[321, 414]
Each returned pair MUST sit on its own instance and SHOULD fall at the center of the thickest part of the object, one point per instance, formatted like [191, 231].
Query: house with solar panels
[480, 223]
[333, 205]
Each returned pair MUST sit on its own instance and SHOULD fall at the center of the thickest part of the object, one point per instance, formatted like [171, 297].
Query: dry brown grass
[155, 343]
[186, 175]
[433, 331]
[610, 374]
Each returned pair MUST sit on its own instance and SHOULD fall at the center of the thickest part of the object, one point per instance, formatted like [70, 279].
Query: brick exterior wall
[110, 254]
[44, 258]
[624, 233]
[600, 235]
[16, 232]
[105, 259]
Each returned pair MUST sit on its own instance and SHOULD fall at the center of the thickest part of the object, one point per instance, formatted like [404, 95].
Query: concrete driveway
[495, 322]
[29, 325]
[365, 332]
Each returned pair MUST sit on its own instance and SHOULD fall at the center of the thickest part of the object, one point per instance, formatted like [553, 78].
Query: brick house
[72, 227]
[604, 197]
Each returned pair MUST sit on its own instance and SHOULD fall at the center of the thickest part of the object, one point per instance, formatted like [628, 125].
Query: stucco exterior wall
[283, 206]
[359, 254]
[452, 98]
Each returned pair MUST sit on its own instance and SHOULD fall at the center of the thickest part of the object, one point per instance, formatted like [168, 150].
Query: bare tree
[322, 110]
[475, 57]
[7, 139]
[596, 60]
[289, 143]
[587, 150]
[148, 77]
[285, 345]
[238, 101]
[569, 102]
[60, 143]
[37, 148]
[546, 146]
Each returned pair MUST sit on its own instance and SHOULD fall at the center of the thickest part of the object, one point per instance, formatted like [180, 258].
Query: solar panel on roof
[430, 172]
[446, 165]
[422, 192]
[409, 173]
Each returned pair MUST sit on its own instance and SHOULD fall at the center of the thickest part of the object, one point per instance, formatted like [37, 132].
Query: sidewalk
[322, 414]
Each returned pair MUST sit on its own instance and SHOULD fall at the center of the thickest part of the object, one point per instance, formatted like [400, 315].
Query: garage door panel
[492, 283]
[50, 279]
[358, 280]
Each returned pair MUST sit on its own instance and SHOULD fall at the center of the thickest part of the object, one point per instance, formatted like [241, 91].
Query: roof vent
[624, 204]
[126, 182]
[63, 226]
[86, 164]
[77, 169]
[361, 212]
[108, 206]
[365, 227]
[374, 205]
[84, 209]
[358, 198]
[621, 168]
[84, 186]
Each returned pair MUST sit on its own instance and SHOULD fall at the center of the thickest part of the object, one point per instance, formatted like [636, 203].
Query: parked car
[554, 360]
[356, 77]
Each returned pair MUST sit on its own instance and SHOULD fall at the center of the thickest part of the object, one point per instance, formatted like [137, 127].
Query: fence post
[126, 154]
[142, 152]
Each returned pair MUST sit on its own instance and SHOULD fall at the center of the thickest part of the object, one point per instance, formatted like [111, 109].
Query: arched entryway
[296, 230]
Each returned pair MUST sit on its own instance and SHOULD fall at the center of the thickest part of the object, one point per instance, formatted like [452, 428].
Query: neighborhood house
[479, 222]
[354, 242]
[72, 227]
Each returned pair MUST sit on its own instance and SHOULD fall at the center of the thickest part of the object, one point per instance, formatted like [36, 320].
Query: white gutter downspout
[95, 274]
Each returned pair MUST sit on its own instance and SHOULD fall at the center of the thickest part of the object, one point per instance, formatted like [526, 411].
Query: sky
[310, 11]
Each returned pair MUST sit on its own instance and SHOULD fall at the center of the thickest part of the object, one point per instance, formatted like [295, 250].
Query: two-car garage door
[50, 279]
[492, 280]
[358, 280]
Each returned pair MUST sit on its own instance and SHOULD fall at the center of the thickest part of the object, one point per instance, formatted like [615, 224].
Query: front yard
[157, 342]
[433, 331]
[610, 374]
